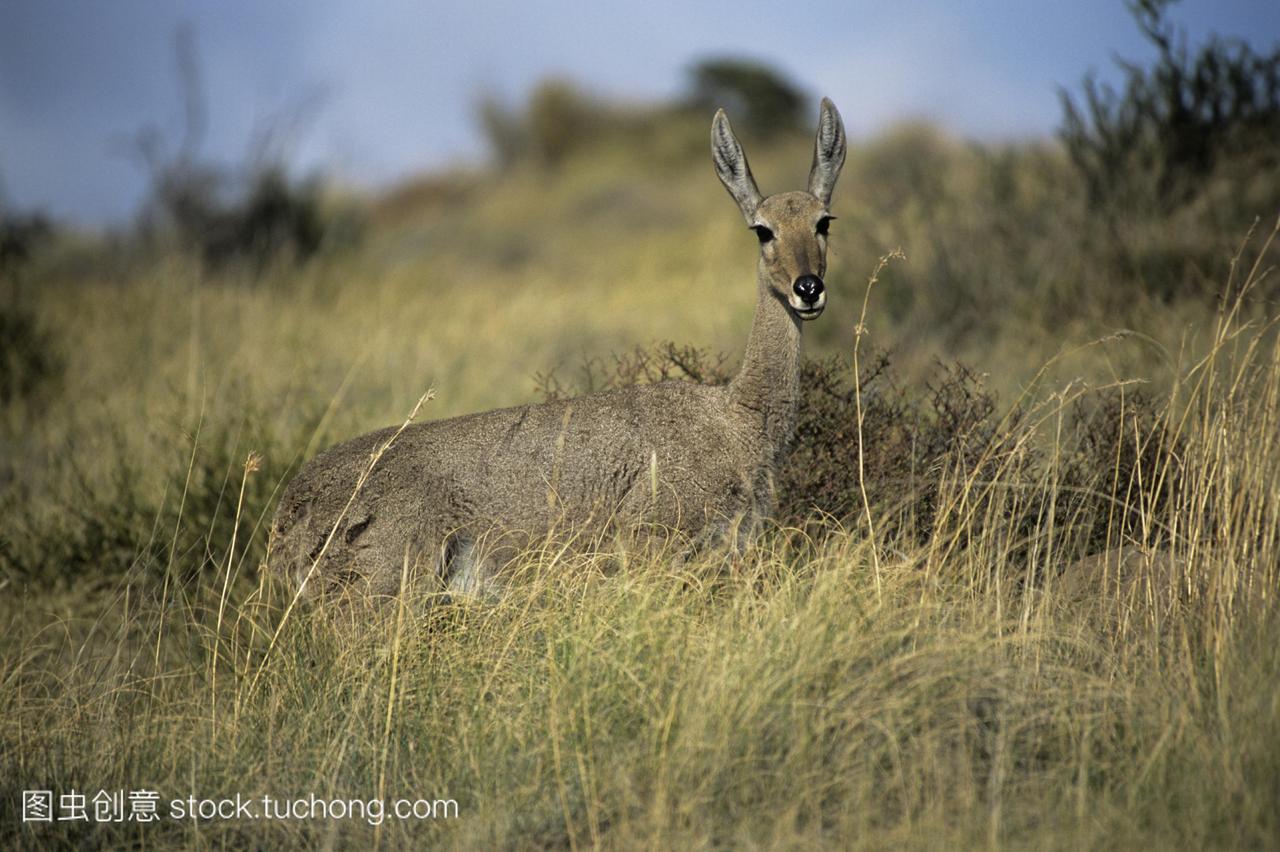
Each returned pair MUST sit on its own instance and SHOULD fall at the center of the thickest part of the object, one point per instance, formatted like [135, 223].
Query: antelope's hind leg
[468, 568]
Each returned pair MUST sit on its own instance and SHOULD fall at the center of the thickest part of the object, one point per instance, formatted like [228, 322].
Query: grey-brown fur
[457, 496]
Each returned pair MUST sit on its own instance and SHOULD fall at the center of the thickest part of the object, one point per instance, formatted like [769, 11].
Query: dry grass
[986, 683]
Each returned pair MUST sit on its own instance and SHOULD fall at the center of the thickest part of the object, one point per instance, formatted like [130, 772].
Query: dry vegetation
[1044, 615]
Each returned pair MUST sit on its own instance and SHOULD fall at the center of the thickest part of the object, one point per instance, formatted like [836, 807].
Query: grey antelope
[458, 496]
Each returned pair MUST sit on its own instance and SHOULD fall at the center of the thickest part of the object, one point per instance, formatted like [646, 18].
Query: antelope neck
[767, 387]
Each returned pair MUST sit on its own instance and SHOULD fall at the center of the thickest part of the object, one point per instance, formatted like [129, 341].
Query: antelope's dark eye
[824, 224]
[763, 233]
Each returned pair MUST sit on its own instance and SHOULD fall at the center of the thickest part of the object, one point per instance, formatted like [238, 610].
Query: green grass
[986, 684]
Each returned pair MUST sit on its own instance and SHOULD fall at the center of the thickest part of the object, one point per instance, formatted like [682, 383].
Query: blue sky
[386, 88]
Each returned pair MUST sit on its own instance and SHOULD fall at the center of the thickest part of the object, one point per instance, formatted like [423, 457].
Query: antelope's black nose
[808, 288]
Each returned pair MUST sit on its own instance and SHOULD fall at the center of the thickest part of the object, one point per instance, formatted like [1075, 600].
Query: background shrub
[249, 216]
[1177, 123]
[28, 357]
[928, 450]
[759, 98]
[909, 440]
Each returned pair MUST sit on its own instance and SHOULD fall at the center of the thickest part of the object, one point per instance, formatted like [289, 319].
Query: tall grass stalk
[858, 331]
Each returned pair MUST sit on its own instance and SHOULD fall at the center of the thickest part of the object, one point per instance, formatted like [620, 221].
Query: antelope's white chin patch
[808, 312]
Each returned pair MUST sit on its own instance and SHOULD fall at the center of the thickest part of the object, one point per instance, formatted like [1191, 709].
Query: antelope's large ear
[828, 152]
[731, 166]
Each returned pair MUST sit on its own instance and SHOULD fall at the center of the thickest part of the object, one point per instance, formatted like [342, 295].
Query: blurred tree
[250, 215]
[1173, 124]
[505, 130]
[28, 357]
[757, 97]
[20, 234]
[558, 120]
